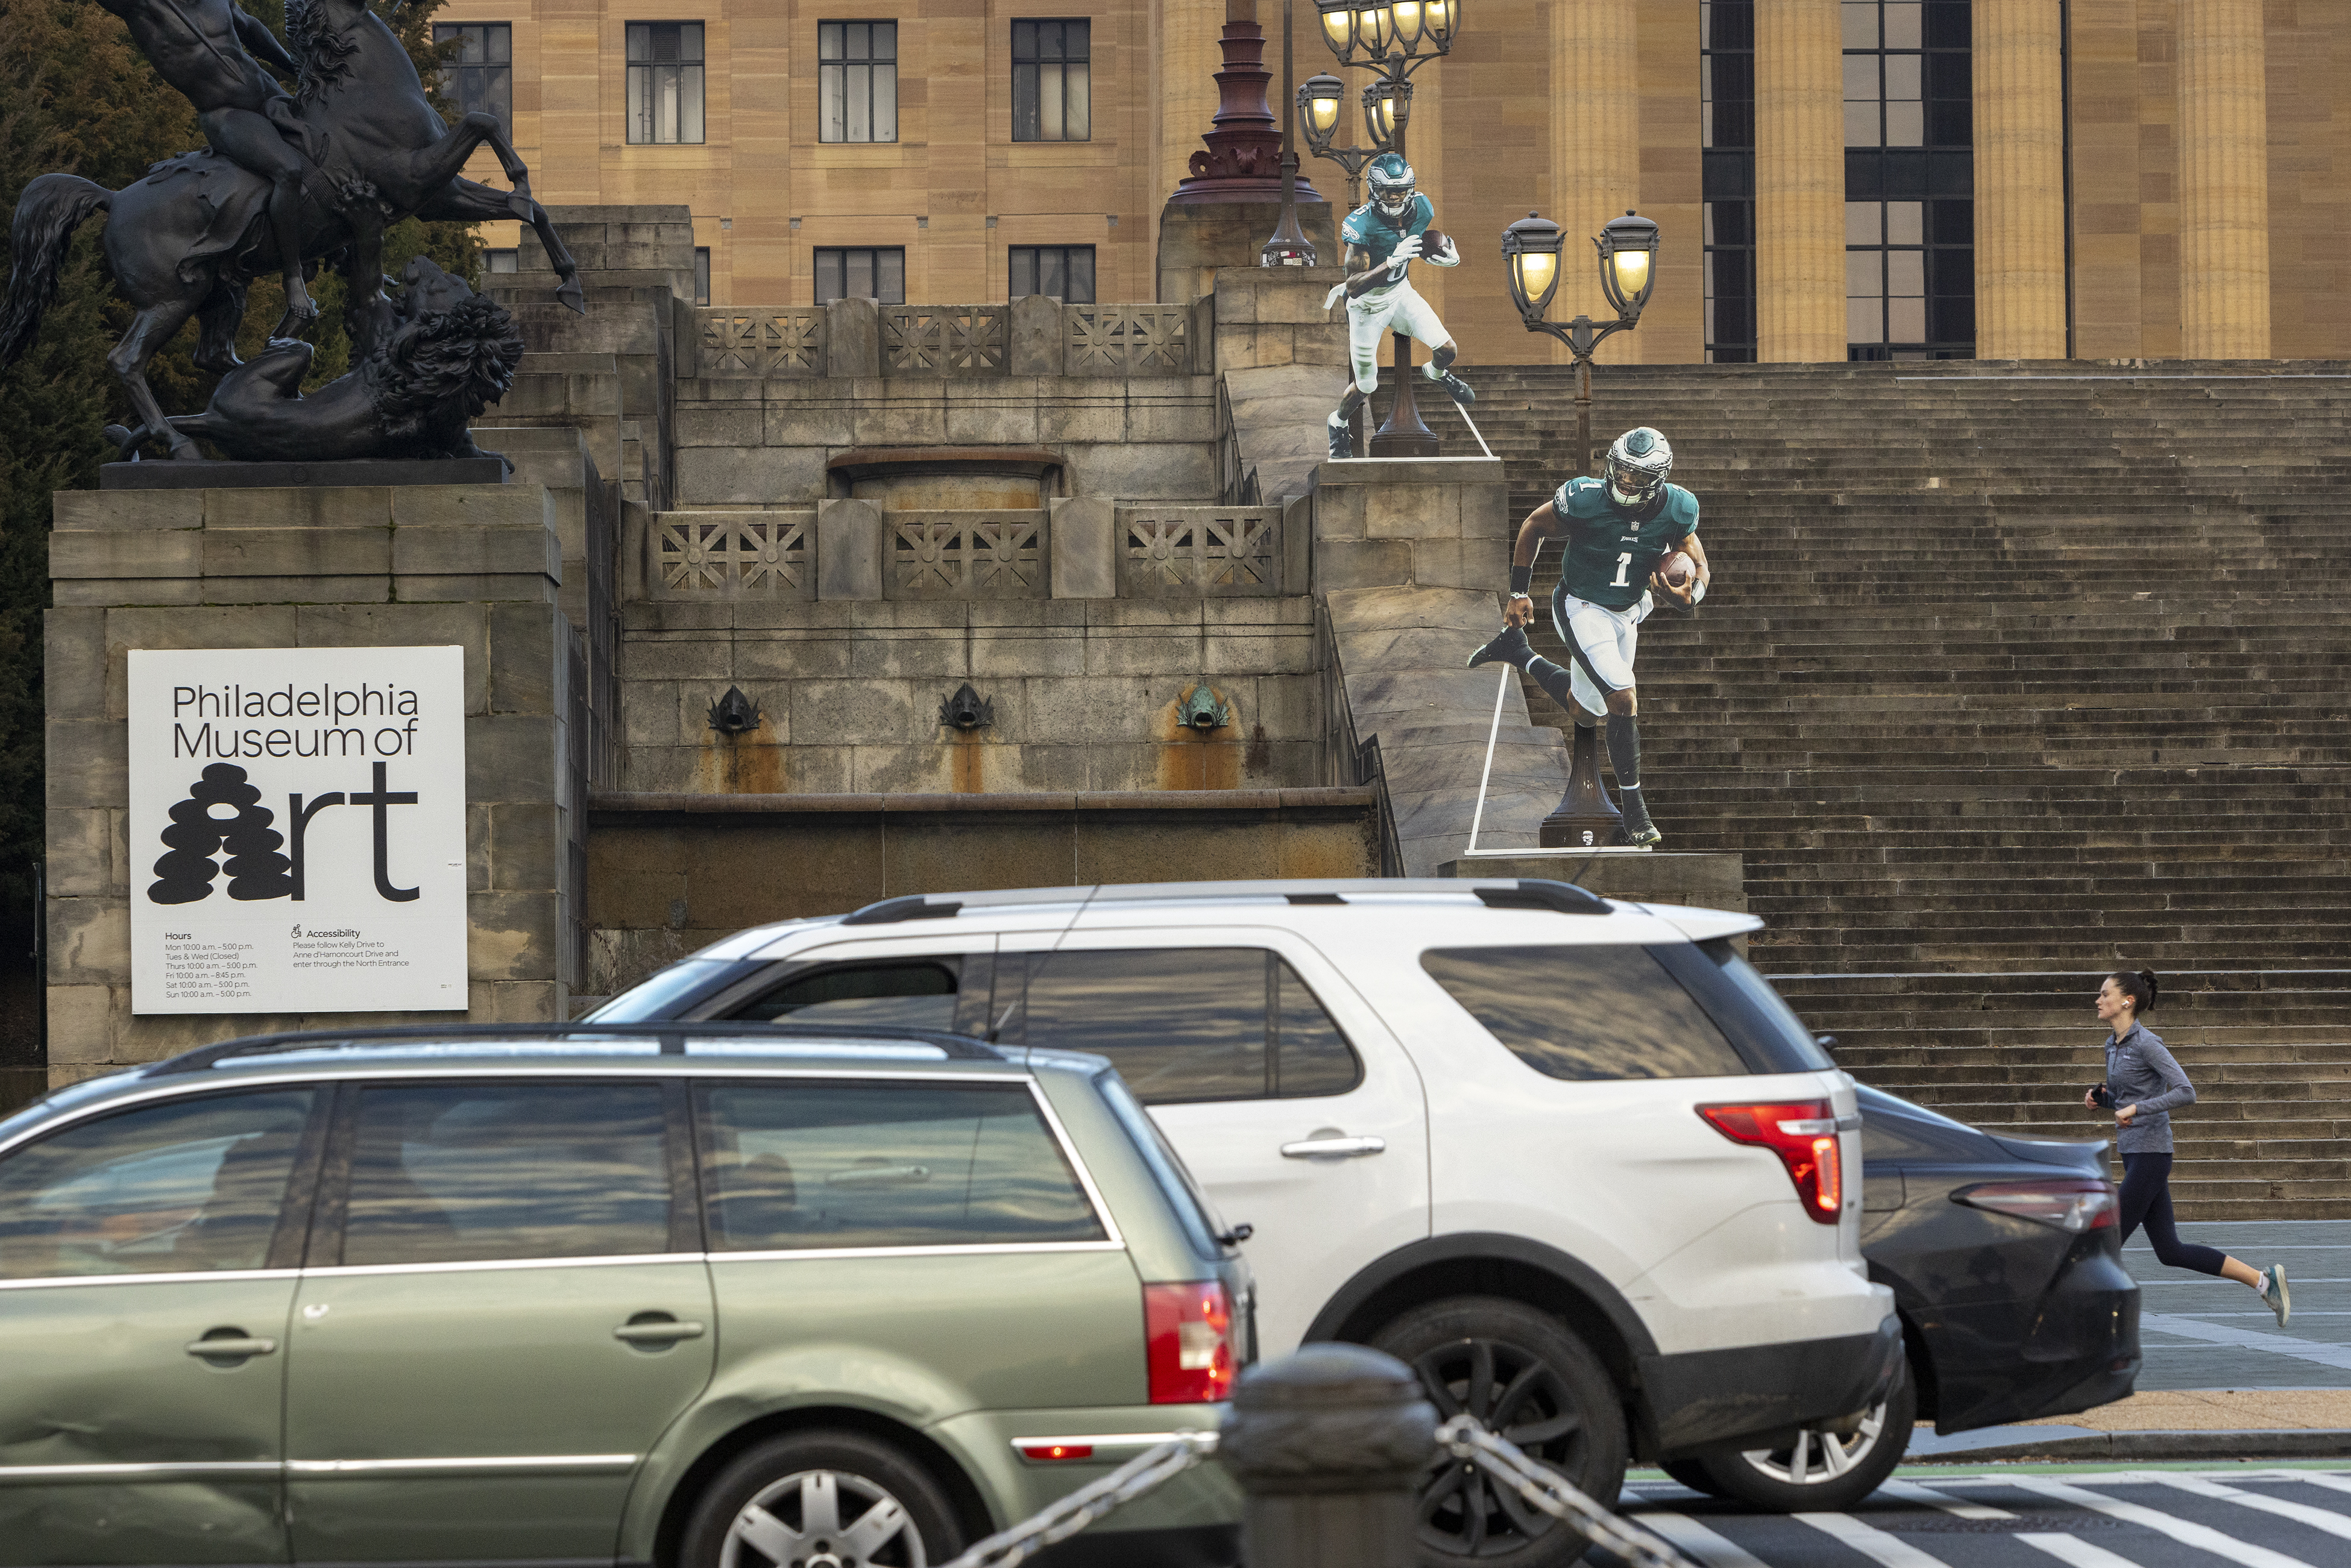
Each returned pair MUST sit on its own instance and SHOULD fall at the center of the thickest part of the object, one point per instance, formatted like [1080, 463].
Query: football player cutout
[1384, 237]
[1618, 530]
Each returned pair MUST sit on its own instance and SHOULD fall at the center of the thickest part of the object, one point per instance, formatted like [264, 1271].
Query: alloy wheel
[1817, 1458]
[822, 1519]
[1464, 1512]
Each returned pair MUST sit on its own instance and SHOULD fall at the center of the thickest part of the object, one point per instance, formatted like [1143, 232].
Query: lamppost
[1584, 817]
[1628, 252]
[1392, 40]
[1288, 246]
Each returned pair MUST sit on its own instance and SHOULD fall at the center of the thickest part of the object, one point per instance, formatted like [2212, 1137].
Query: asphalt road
[2029, 1517]
[2199, 1333]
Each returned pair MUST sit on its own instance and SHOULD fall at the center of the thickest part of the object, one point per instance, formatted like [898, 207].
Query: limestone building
[1876, 178]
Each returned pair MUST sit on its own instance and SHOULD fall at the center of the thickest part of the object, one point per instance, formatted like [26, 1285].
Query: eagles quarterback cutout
[1384, 237]
[1618, 530]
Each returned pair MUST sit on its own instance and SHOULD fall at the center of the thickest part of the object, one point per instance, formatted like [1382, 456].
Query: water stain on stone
[970, 775]
[1196, 759]
[745, 764]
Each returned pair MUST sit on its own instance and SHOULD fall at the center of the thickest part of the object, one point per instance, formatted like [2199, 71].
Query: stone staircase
[2008, 679]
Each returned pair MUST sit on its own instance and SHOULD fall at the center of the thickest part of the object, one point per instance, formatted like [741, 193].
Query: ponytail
[2139, 986]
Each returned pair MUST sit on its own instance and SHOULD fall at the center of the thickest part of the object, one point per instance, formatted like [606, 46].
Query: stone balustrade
[1033, 336]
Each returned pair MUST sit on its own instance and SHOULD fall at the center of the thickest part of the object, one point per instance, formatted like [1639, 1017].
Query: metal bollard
[1331, 1445]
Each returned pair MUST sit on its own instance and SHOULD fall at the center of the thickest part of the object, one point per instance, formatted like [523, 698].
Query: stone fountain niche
[958, 522]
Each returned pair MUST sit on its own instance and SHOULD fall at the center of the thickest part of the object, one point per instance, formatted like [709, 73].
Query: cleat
[2274, 1292]
[1342, 439]
[1642, 837]
[1456, 389]
[1510, 648]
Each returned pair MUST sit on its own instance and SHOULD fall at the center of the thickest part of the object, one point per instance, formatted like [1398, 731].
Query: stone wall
[476, 566]
[669, 874]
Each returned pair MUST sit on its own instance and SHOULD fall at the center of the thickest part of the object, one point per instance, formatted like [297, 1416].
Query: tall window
[1726, 65]
[1065, 272]
[478, 73]
[1909, 180]
[1053, 81]
[702, 274]
[867, 272]
[664, 82]
[857, 81]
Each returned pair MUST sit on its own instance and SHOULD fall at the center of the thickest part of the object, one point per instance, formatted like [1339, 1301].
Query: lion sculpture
[445, 354]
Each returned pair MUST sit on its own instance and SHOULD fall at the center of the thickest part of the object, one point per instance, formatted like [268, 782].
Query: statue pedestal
[362, 565]
[158, 475]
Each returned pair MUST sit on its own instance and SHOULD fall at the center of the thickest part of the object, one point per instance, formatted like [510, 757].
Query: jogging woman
[2143, 1085]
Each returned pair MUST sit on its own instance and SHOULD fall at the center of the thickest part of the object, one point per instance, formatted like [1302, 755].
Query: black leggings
[2147, 1200]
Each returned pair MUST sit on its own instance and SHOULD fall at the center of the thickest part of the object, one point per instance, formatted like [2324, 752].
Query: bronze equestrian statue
[187, 239]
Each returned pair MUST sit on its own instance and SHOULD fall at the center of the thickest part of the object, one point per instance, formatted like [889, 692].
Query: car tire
[1821, 1471]
[1529, 1377]
[888, 1511]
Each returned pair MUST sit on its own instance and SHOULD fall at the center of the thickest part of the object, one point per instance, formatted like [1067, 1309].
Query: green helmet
[1392, 182]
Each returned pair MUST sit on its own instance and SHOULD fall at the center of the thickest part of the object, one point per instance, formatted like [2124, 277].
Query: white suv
[1574, 1160]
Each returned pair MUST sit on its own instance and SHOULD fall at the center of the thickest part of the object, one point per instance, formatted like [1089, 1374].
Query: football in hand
[1433, 243]
[1677, 569]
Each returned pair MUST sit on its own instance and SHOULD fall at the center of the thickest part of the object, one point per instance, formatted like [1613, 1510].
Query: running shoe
[2274, 1292]
[1510, 648]
[1455, 388]
[1637, 832]
[1342, 438]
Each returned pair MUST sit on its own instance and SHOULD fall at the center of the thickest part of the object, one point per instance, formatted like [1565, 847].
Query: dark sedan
[2006, 1265]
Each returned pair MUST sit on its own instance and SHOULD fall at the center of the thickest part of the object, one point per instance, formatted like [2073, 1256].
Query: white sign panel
[298, 829]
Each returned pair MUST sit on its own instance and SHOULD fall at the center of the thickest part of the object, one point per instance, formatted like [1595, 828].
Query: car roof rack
[672, 1034]
[1522, 894]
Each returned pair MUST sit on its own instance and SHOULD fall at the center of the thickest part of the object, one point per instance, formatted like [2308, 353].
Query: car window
[1586, 1012]
[1761, 1026]
[1198, 1217]
[192, 1186]
[450, 1173]
[813, 1163]
[670, 993]
[1191, 1023]
[909, 993]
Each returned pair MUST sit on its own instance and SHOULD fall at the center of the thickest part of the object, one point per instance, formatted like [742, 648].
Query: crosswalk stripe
[1890, 1551]
[2332, 1483]
[2185, 1531]
[1911, 1491]
[2078, 1553]
[2324, 1519]
[1698, 1541]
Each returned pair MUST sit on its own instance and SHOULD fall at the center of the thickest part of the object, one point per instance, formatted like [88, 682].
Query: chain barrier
[1145, 1473]
[1465, 1438]
[1462, 1436]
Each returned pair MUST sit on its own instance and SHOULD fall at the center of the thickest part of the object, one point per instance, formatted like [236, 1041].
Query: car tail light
[1049, 1453]
[1803, 1134]
[2069, 1203]
[1188, 1343]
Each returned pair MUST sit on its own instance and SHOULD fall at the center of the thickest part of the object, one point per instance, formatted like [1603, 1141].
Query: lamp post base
[1403, 435]
[1585, 817]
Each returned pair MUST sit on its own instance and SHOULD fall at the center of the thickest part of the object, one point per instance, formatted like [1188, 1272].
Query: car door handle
[1341, 1148]
[231, 1345]
[661, 1332]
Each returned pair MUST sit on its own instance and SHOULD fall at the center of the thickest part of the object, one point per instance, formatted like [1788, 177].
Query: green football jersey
[1611, 551]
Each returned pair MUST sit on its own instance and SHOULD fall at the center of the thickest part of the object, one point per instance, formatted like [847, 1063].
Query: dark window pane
[911, 993]
[889, 276]
[1082, 275]
[861, 274]
[1024, 41]
[640, 38]
[1954, 175]
[1865, 178]
[828, 40]
[448, 1173]
[1905, 175]
[689, 42]
[1310, 1056]
[1023, 268]
[1947, 25]
[500, 39]
[1954, 318]
[702, 274]
[1051, 271]
[1730, 176]
[182, 1188]
[1024, 103]
[828, 275]
[884, 40]
[819, 1165]
[1951, 123]
[1179, 1024]
[1583, 1013]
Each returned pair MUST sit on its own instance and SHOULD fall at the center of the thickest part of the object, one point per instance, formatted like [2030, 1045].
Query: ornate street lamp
[1584, 816]
[1392, 40]
[1288, 246]
[1628, 252]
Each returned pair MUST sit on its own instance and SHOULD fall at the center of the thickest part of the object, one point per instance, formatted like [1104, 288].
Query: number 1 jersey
[1611, 550]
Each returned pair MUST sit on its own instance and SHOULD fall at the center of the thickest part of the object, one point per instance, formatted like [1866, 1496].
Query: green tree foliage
[76, 97]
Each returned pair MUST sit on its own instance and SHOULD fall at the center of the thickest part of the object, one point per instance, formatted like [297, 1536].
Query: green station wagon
[717, 1297]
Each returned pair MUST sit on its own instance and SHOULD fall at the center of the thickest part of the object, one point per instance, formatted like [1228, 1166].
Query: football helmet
[1392, 185]
[1639, 461]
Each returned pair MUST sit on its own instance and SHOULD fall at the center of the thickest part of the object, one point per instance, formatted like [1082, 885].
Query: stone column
[2019, 133]
[1595, 150]
[2224, 188]
[1798, 182]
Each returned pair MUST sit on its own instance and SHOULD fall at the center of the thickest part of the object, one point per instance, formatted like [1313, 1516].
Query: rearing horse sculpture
[187, 239]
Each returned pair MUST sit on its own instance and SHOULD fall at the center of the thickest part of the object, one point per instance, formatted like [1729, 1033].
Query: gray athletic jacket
[2141, 1072]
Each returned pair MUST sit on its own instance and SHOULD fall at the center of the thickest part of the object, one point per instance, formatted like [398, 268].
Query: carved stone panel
[1128, 339]
[966, 555]
[943, 339]
[762, 343]
[1175, 552]
[733, 555]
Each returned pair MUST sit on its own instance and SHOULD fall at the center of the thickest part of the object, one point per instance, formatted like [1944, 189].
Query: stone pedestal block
[852, 338]
[848, 548]
[1434, 522]
[1198, 240]
[1036, 336]
[1084, 543]
[476, 567]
